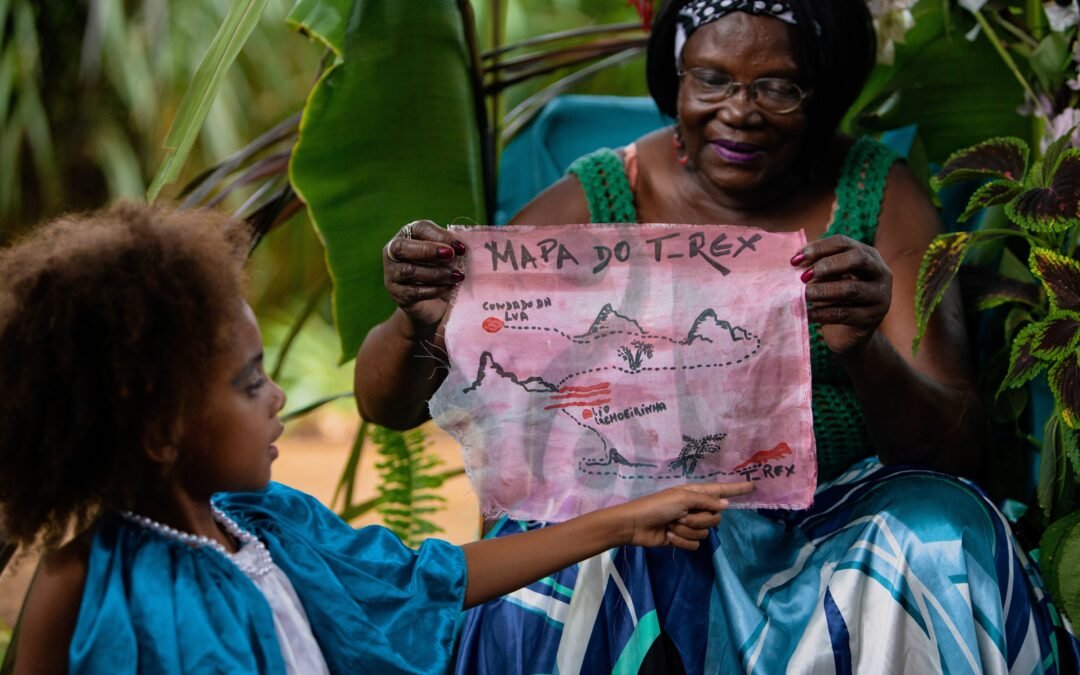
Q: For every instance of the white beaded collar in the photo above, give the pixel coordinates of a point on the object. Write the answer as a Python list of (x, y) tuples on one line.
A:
[(256, 565)]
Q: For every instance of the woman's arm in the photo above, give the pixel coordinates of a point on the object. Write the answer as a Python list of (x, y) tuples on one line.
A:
[(401, 361), (678, 516), (51, 611), (920, 409)]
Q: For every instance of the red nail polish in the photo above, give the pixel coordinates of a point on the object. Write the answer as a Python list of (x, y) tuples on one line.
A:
[(807, 275), (445, 252), (459, 248), (798, 258), (457, 275)]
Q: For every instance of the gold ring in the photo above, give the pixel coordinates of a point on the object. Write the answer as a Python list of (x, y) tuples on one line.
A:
[(389, 253)]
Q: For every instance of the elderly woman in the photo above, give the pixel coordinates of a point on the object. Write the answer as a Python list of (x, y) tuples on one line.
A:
[(897, 566)]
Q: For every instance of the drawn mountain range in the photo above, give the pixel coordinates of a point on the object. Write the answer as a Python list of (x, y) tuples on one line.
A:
[(488, 363), (708, 327), (610, 322)]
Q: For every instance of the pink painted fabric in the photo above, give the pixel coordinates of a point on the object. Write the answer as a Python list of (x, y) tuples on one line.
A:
[(591, 364)]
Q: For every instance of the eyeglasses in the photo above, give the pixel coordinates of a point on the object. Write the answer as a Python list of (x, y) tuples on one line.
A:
[(771, 94)]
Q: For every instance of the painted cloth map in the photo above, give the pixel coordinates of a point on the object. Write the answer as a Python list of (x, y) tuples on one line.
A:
[(592, 364)]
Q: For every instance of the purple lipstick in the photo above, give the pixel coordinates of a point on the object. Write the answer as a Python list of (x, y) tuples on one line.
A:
[(737, 153)]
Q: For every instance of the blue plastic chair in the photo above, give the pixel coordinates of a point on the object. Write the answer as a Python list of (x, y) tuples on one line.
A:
[(567, 128)]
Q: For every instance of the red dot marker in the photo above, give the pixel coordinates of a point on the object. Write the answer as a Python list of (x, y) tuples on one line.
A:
[(492, 325)]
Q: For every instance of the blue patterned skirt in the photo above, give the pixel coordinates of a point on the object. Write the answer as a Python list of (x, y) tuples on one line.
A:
[(893, 569)]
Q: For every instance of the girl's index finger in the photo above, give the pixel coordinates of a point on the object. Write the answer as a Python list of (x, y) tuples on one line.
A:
[(721, 490), (729, 489)]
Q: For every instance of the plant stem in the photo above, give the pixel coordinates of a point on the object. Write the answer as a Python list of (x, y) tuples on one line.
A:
[(527, 109), (1003, 53), (566, 63), (1035, 16), (1005, 233), (294, 330), (495, 15), (562, 35), (1015, 31), (347, 481), (488, 137), (312, 407)]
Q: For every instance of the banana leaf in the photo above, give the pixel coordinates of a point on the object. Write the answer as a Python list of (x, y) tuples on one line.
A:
[(324, 20), (389, 135)]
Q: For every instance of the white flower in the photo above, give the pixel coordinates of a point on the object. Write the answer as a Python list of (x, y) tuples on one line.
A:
[(1059, 125), (1042, 106), (1074, 83), (892, 21), (1061, 18), (972, 5)]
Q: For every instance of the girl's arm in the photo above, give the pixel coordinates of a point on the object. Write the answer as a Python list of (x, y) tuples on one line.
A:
[(678, 516), (51, 611)]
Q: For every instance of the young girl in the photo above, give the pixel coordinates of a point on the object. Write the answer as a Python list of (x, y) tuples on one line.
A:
[(136, 413)]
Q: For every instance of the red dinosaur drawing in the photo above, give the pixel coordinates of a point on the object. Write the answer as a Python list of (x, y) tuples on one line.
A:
[(760, 457)]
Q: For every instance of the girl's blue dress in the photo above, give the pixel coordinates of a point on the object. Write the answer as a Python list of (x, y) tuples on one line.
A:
[(154, 605)]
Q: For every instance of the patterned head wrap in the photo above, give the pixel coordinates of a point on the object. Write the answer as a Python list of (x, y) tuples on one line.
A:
[(700, 12)]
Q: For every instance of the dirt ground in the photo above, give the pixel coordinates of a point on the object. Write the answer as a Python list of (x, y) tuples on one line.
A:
[(313, 453)]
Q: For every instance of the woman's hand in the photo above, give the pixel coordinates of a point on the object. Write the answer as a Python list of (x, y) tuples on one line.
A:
[(680, 516), (848, 288), (419, 271)]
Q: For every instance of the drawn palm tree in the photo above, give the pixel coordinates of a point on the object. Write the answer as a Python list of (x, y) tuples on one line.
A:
[(694, 450), (633, 358)]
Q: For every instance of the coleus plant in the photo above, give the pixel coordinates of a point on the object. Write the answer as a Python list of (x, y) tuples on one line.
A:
[(1041, 203)]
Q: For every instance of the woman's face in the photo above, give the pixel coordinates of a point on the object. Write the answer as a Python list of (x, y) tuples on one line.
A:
[(733, 142)]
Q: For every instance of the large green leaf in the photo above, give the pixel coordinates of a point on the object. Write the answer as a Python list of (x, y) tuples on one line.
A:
[(1050, 474), (1060, 547), (389, 135), (958, 92), (324, 20)]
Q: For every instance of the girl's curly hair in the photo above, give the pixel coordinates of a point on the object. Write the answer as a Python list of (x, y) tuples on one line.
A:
[(108, 323)]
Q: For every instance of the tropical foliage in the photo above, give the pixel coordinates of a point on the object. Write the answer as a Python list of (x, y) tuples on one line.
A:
[(1040, 202), (88, 89), (412, 102), (1022, 271)]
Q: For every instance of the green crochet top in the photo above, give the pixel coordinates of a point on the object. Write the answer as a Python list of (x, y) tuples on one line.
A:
[(839, 426)]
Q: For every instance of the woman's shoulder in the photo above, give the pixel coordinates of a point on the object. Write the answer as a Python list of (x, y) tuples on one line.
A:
[(561, 203)]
